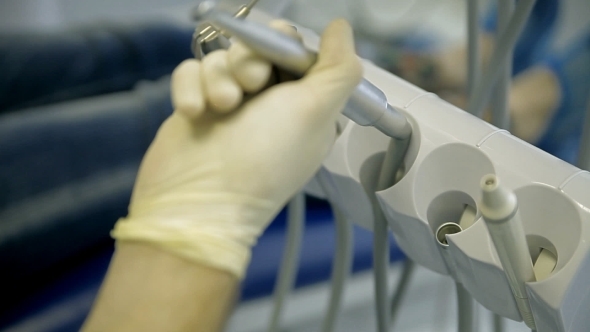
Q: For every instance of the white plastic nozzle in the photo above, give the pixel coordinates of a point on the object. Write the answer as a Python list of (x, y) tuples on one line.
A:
[(498, 203)]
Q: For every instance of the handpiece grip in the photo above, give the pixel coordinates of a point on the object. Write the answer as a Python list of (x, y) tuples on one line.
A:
[(367, 105)]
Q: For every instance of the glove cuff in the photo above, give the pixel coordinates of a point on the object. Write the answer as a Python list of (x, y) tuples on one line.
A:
[(205, 246)]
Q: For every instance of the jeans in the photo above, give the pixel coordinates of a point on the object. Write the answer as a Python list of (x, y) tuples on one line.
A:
[(69, 145), (39, 69), (66, 173)]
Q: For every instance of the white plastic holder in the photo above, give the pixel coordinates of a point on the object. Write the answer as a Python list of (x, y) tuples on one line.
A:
[(449, 153)]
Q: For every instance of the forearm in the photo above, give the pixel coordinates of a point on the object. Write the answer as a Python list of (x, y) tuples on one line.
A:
[(147, 289)]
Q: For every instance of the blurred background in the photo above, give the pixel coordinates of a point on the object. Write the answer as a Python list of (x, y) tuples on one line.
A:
[(84, 87)]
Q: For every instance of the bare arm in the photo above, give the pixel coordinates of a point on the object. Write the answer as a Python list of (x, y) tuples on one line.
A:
[(147, 289)]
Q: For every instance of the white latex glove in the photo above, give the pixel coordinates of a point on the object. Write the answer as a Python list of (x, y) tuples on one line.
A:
[(224, 164)]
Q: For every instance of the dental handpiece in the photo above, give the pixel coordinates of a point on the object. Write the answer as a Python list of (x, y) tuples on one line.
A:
[(367, 105)]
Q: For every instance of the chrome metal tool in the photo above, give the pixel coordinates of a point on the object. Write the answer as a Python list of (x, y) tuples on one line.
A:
[(367, 106)]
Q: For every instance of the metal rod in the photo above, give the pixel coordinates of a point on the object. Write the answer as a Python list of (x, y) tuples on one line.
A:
[(251, 4), (288, 269)]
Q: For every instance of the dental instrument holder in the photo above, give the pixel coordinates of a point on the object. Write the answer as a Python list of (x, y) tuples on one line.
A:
[(449, 152), (367, 105)]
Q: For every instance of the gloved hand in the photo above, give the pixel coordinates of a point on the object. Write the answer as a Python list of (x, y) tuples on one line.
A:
[(235, 150)]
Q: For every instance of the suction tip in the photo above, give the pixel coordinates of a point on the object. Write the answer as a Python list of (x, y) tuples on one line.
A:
[(203, 10), (497, 202), (489, 182)]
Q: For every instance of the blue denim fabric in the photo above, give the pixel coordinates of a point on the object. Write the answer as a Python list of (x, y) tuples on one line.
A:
[(39, 68), (66, 173)]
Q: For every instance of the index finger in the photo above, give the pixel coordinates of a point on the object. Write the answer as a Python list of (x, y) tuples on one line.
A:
[(186, 89)]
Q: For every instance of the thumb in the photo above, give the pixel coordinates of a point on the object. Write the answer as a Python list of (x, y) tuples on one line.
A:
[(337, 71)]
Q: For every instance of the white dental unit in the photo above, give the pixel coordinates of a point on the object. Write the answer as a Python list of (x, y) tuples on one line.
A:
[(440, 183)]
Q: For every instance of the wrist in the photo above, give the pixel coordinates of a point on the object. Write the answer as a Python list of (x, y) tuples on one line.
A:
[(216, 232), (193, 244), (147, 289)]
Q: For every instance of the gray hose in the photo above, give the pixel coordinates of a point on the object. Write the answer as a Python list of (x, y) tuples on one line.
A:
[(380, 266), (467, 320), (483, 89), (340, 268), (465, 305), (498, 323), (288, 269), (401, 289), (584, 154), (343, 256), (500, 111), (392, 161), (473, 56)]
